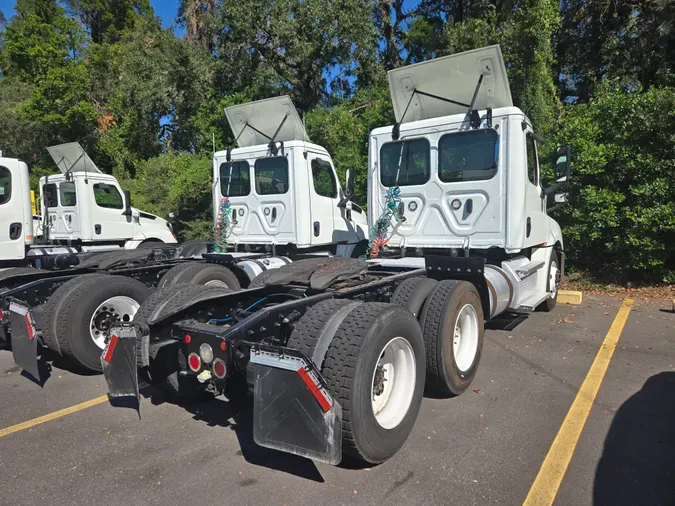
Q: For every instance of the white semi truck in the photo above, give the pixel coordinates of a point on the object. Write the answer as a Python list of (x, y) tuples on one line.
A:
[(82, 210), (338, 352), (276, 199)]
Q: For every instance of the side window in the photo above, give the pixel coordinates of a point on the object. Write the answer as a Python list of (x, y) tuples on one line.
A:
[(531, 160), (235, 179), (271, 175), (324, 179), (67, 194), (108, 196), (50, 196), (414, 159), (5, 185), (468, 156)]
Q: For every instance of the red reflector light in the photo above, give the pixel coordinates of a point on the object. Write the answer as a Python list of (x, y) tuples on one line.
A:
[(223, 346), (219, 369), (194, 362), (111, 348), (188, 338), (29, 326), (318, 394), (2, 314)]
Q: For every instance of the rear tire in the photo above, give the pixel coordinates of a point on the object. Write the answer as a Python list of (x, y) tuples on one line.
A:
[(453, 344), (412, 293), (91, 306), (326, 316), (350, 367), (199, 273), (52, 307)]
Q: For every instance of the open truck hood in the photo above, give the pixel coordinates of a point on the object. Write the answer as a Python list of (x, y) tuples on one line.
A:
[(265, 116), (71, 157), (452, 77)]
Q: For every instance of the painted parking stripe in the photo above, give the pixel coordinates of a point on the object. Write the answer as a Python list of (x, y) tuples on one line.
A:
[(552, 472), (52, 416)]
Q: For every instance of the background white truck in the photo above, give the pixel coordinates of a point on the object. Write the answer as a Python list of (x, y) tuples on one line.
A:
[(336, 364), (82, 209), (285, 202)]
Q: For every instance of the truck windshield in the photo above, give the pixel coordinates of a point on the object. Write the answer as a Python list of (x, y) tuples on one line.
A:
[(468, 156), (235, 179), (5, 185), (271, 175), (414, 160)]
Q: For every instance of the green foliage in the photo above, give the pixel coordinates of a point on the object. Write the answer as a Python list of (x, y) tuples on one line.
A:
[(148, 105), (622, 215), (178, 183)]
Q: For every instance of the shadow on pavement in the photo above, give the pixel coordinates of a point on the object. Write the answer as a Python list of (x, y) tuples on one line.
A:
[(638, 460), (237, 415)]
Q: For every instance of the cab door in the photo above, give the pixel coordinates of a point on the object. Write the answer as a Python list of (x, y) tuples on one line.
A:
[(66, 219), (12, 244), (536, 222), (107, 205), (325, 222)]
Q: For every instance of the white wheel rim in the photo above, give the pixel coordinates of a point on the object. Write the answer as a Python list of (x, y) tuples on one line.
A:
[(114, 309), (465, 338), (216, 282), (553, 275), (393, 383)]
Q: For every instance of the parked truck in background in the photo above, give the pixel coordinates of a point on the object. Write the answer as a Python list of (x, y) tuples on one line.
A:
[(276, 198), (337, 352), (82, 210)]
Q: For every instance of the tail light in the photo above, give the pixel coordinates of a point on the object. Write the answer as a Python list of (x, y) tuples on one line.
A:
[(219, 369), (194, 362)]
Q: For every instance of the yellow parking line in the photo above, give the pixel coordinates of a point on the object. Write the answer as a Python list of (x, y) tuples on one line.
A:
[(52, 416), (550, 476)]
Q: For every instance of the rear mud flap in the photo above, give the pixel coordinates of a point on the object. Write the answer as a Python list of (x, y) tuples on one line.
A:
[(24, 339), (119, 364), (292, 410)]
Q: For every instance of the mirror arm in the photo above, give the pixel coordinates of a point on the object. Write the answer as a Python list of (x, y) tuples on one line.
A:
[(343, 202), (554, 188), (555, 207)]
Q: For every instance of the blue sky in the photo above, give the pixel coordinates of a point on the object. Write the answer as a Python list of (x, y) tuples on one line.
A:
[(166, 9)]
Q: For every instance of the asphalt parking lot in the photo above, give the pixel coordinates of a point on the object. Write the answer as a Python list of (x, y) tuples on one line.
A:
[(487, 446)]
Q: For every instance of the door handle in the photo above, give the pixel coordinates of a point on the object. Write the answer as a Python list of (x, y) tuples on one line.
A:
[(14, 231), (97, 229), (469, 206), (529, 226), (274, 213), (317, 228)]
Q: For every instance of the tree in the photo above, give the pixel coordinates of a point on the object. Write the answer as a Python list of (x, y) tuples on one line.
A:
[(199, 19), (39, 36), (621, 219), (107, 20), (290, 46)]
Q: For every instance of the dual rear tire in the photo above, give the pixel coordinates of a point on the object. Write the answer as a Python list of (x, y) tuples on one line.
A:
[(450, 315)]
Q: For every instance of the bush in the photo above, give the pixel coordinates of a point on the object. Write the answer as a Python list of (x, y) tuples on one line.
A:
[(179, 183), (621, 218)]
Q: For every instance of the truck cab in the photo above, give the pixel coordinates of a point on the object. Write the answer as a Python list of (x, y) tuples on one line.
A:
[(465, 165), (16, 217), (282, 189), (85, 206)]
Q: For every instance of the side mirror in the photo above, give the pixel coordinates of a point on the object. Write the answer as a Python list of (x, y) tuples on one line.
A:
[(171, 215), (127, 203), (349, 184), (563, 168)]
